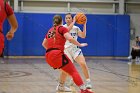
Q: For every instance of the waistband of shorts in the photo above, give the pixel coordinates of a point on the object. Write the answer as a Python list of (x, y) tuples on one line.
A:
[(1, 31), (50, 49)]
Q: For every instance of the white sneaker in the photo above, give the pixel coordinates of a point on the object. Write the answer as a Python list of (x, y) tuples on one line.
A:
[(88, 85), (130, 57), (63, 89), (137, 59)]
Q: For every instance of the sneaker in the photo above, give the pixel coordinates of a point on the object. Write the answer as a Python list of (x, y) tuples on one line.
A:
[(138, 63), (130, 57), (88, 85), (63, 89), (86, 91), (137, 59)]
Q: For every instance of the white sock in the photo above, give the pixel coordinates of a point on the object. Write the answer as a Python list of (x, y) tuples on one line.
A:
[(87, 80)]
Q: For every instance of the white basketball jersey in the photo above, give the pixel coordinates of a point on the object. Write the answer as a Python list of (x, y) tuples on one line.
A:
[(74, 33)]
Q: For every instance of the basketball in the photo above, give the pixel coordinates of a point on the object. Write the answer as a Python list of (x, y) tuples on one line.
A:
[(80, 18)]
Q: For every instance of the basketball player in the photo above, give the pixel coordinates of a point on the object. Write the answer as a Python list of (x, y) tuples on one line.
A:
[(74, 52), (55, 57), (6, 12)]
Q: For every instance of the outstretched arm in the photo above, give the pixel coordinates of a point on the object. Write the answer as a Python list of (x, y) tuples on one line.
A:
[(72, 40)]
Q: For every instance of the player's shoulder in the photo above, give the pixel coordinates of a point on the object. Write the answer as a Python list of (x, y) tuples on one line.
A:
[(62, 27), (75, 26)]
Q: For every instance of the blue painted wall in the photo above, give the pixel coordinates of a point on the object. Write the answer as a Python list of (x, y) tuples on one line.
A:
[(107, 35)]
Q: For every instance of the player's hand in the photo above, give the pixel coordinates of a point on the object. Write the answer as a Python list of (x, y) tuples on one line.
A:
[(10, 35), (85, 22), (83, 44)]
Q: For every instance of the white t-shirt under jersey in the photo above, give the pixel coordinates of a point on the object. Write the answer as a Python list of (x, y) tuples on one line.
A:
[(74, 33)]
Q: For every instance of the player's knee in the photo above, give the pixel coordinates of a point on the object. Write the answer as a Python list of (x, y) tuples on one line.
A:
[(83, 64), (74, 73)]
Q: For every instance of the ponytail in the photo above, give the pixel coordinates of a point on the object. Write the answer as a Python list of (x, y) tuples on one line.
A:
[(55, 25), (57, 20)]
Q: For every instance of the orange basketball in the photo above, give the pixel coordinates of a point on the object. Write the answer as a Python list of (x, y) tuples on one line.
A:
[(80, 18)]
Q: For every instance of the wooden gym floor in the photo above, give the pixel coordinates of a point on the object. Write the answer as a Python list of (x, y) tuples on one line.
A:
[(35, 76)]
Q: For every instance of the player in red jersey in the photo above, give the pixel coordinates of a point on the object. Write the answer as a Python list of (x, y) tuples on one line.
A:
[(54, 44), (6, 12)]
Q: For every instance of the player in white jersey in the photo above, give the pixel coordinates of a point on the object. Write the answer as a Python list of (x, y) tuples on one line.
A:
[(74, 52)]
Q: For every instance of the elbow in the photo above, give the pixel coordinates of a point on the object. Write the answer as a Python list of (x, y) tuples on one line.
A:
[(43, 44), (15, 26)]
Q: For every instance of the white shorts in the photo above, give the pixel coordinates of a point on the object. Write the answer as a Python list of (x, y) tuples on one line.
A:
[(72, 52)]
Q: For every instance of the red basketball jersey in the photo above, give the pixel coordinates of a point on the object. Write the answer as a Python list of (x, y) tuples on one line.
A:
[(5, 10), (58, 40)]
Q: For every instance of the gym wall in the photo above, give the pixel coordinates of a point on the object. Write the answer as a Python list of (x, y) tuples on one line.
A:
[(107, 35)]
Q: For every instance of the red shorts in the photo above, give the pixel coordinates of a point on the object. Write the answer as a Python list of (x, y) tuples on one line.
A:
[(1, 42), (56, 59)]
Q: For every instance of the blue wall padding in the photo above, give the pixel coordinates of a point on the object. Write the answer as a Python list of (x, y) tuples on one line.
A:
[(15, 46), (122, 36), (107, 35)]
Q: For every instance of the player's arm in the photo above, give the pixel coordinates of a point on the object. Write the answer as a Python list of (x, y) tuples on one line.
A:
[(64, 31), (44, 43), (12, 21), (82, 34), (72, 40), (14, 25)]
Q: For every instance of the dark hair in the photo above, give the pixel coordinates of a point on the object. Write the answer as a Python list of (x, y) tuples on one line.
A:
[(70, 15), (137, 37), (57, 20)]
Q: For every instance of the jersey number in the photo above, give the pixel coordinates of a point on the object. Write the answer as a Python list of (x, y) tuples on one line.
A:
[(51, 34)]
